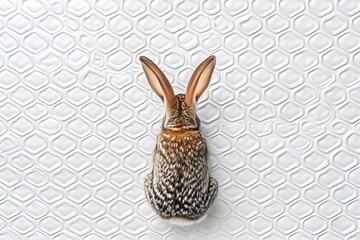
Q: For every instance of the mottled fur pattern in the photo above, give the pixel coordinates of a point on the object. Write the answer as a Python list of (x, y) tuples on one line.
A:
[(179, 185)]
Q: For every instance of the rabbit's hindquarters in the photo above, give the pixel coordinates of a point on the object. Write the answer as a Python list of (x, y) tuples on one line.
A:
[(158, 203), (179, 188)]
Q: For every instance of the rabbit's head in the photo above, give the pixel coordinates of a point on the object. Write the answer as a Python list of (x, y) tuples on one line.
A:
[(181, 108)]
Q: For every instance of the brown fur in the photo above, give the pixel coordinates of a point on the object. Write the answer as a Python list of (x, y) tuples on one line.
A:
[(179, 187)]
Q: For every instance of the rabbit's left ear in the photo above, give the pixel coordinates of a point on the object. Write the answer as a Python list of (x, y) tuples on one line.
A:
[(199, 80), (158, 81)]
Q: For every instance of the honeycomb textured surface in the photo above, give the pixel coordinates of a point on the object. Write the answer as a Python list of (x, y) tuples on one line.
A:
[(78, 121)]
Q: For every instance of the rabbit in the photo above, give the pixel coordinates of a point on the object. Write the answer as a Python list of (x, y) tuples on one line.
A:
[(179, 187)]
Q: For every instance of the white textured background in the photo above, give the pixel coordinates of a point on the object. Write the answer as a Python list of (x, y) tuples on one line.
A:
[(78, 120)]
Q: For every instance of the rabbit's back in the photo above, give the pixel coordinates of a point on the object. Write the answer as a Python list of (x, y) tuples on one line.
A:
[(181, 155), (179, 184)]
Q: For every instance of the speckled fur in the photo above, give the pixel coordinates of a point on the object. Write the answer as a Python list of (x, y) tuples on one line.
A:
[(179, 185)]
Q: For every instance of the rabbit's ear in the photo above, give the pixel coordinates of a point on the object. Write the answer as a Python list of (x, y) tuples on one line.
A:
[(158, 81), (199, 80)]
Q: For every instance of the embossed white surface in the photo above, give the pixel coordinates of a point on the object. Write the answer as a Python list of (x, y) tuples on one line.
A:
[(78, 121)]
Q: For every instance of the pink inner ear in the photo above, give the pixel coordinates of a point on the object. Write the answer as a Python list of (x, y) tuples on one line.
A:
[(202, 85), (153, 81), (158, 81), (199, 80)]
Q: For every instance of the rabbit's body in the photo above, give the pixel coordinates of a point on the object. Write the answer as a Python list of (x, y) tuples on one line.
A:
[(179, 187)]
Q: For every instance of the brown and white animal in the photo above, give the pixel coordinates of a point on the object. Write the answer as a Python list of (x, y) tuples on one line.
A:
[(179, 187)]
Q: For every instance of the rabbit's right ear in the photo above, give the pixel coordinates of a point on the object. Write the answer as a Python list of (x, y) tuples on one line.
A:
[(199, 80), (158, 81)]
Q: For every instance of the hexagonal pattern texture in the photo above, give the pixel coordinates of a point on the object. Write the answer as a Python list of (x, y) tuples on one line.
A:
[(78, 120)]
